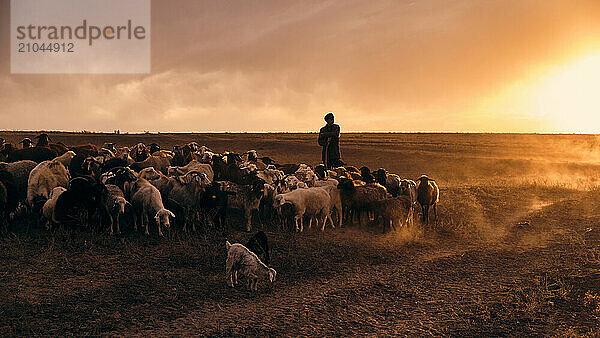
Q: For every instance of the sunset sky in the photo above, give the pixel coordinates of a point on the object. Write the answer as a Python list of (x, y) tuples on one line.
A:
[(273, 65)]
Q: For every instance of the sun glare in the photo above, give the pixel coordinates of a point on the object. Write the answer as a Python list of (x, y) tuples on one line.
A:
[(569, 98)]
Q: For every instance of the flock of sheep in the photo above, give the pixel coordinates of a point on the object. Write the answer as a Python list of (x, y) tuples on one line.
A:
[(191, 185)]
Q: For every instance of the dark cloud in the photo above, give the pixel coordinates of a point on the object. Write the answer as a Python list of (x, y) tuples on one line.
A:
[(279, 65)]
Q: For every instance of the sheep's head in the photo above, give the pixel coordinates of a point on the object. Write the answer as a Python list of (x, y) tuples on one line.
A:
[(120, 204), (424, 179), (162, 217)]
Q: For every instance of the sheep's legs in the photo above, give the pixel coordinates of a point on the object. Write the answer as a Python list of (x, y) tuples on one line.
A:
[(110, 218), (229, 274), (310, 222), (118, 224), (248, 215), (145, 221), (435, 214)]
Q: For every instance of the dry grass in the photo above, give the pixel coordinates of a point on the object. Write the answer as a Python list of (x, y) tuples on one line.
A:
[(477, 273)]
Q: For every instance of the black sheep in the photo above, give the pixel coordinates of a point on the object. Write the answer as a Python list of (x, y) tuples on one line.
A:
[(215, 200), (36, 154), (84, 195), (260, 246)]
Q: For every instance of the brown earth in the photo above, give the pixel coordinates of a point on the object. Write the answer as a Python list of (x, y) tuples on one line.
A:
[(516, 252)]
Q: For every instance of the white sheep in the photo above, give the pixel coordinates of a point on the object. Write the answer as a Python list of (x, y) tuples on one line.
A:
[(43, 178), (336, 201), (147, 201), (48, 208), (313, 202), (243, 261)]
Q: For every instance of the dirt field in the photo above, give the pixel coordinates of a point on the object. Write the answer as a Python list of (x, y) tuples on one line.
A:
[(516, 252)]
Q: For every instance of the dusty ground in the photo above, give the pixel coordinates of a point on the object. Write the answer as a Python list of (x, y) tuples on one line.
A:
[(477, 273)]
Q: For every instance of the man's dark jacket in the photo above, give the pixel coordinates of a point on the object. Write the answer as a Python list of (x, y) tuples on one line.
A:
[(331, 149)]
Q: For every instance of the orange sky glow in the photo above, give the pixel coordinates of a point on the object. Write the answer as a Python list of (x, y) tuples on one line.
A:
[(273, 65)]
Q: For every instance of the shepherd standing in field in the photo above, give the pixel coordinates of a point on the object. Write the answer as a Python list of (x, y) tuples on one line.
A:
[(329, 139)]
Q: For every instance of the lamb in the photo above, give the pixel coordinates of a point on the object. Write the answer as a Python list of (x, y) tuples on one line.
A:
[(48, 208), (390, 181), (360, 198), (394, 211), (192, 166), (241, 260), (428, 194), (115, 202), (247, 198), (42, 179), (66, 158), (313, 202), (146, 201)]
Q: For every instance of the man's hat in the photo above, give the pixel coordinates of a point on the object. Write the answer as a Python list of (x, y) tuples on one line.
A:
[(26, 140), (328, 116)]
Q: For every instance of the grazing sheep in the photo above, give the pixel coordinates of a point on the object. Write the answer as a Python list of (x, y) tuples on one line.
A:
[(115, 202), (394, 211), (247, 198), (260, 246), (147, 203), (359, 199), (243, 261), (48, 208), (428, 194), (192, 166), (42, 179), (312, 202), (390, 181)]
